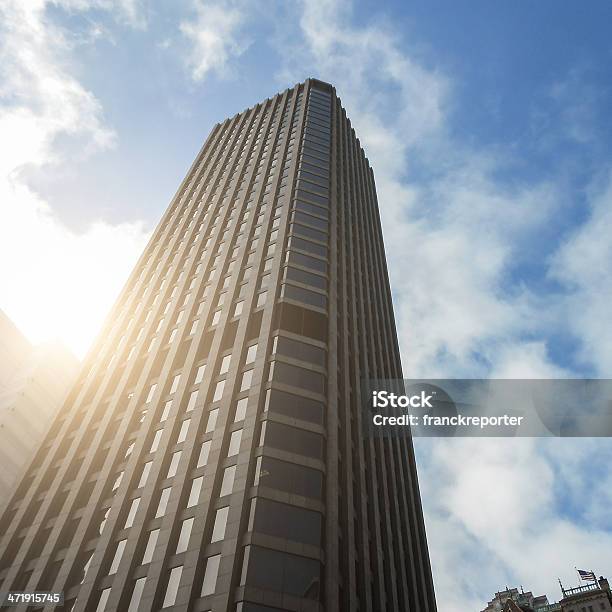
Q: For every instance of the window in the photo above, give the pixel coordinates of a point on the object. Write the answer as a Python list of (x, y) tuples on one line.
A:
[(251, 353), (218, 391), (117, 558), (234, 443), (104, 595), (308, 232), (299, 350), (117, 481), (146, 468), (156, 438), (200, 374), (300, 194), (293, 440), (194, 494), (218, 532), (212, 420), (174, 463), (204, 452), (166, 411), (129, 521), (238, 308), (211, 572), (261, 299), (306, 278), (247, 378), (183, 431), (309, 247), (283, 572), (241, 406), (308, 262), (289, 477), (227, 484), (103, 522), (225, 364), (297, 377), (175, 383), (151, 393), (184, 535), (285, 521), (150, 548), (193, 397), (137, 595), (163, 502), (216, 317), (173, 584)]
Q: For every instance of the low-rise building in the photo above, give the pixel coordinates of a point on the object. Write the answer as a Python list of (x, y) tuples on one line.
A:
[(592, 597)]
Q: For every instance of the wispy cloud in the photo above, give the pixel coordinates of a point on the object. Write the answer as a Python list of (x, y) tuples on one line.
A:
[(583, 263), (55, 282), (215, 37)]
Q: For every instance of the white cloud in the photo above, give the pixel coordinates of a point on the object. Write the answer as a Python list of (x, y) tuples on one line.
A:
[(55, 283), (583, 263), (215, 37), (128, 12), (504, 516)]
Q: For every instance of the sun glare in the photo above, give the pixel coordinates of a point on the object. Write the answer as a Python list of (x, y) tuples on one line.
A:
[(61, 285)]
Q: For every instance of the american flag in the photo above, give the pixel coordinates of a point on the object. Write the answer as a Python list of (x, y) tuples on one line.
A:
[(586, 575)]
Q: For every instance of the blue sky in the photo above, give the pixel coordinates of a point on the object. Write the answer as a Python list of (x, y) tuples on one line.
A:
[(489, 131)]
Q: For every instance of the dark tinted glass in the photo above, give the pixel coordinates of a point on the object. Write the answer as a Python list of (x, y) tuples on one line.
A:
[(317, 102), (318, 149), (310, 186), (315, 209), (305, 245), (316, 109), (314, 152), (320, 123), (297, 377), (279, 571), (318, 170), (312, 129), (293, 440), (245, 606), (302, 321), (306, 261), (301, 217), (294, 406), (308, 232), (289, 522), (314, 139), (306, 195), (291, 478), (324, 163), (304, 295), (299, 350), (301, 276), (319, 114), (313, 178)]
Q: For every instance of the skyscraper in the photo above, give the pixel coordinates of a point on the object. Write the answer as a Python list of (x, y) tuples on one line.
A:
[(211, 454)]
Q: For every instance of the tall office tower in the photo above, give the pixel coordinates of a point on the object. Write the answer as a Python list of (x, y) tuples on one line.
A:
[(211, 454)]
